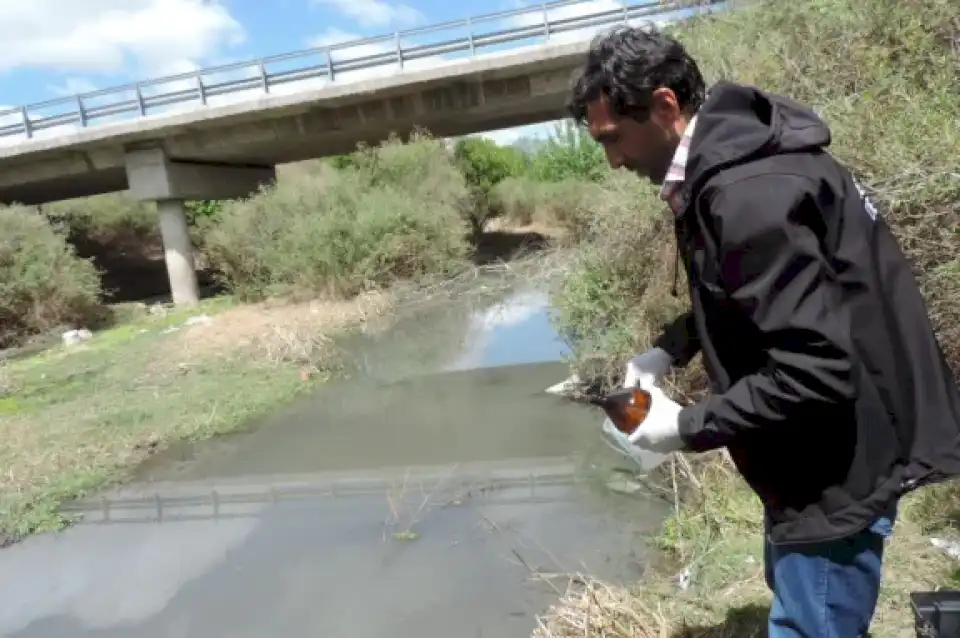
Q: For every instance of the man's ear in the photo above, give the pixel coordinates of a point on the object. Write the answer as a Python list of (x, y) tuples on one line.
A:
[(664, 107)]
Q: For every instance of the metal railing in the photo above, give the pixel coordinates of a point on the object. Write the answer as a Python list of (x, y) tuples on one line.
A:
[(136, 98)]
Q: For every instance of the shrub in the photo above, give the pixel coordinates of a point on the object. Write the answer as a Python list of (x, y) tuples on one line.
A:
[(484, 163), (570, 153), (43, 284), (568, 204), (399, 214), (104, 219), (618, 291)]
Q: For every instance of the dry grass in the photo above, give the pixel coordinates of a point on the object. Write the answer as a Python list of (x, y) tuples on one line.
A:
[(281, 330)]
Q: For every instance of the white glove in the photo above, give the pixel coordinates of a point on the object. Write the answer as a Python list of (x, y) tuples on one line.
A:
[(647, 368), (645, 459), (660, 431)]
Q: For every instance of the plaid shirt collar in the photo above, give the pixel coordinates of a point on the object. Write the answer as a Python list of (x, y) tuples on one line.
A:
[(672, 190)]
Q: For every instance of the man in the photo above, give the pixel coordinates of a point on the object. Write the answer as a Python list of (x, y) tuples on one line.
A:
[(828, 386)]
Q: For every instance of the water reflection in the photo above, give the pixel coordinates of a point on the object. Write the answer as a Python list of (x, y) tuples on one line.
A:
[(513, 331), (473, 565)]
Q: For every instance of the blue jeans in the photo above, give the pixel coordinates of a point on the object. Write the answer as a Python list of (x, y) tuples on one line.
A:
[(829, 589)]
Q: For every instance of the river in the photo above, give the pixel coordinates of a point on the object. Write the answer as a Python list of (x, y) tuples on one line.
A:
[(436, 491)]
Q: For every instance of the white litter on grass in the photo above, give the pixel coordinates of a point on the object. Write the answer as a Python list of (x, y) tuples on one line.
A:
[(73, 337), (199, 320), (950, 548)]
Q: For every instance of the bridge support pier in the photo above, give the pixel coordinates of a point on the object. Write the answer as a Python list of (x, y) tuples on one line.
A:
[(178, 252), (153, 176)]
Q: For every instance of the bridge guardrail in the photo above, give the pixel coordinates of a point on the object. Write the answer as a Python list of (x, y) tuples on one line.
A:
[(134, 99)]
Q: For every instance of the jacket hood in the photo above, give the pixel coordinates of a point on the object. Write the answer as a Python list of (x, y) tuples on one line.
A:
[(739, 124)]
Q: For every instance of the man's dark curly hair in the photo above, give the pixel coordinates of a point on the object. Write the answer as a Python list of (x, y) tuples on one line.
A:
[(627, 65)]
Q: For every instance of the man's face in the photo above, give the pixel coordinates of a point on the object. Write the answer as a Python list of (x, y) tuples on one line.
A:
[(643, 145)]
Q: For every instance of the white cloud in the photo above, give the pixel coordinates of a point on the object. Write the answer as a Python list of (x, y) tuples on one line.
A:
[(376, 13), (111, 36), (72, 86)]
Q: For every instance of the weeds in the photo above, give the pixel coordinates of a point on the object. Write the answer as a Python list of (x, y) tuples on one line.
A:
[(315, 353)]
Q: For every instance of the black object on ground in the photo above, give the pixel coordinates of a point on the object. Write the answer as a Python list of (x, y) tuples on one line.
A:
[(937, 613)]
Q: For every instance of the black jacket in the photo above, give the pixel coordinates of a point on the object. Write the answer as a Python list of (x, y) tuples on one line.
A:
[(829, 388)]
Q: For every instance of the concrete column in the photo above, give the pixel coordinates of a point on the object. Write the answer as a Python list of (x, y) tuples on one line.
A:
[(178, 252), (152, 176)]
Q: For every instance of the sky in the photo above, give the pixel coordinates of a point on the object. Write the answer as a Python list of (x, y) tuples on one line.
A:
[(57, 48)]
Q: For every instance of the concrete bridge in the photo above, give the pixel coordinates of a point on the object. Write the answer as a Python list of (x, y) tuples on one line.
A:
[(220, 132)]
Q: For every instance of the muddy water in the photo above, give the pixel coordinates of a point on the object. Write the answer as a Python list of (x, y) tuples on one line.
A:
[(447, 384), (438, 492)]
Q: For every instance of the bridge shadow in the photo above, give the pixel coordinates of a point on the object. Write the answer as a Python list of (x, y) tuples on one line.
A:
[(506, 245)]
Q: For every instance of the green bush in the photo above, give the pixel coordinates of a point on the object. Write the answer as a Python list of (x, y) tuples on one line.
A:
[(398, 215), (484, 163), (204, 213), (105, 219), (568, 204), (43, 284), (570, 153), (890, 100)]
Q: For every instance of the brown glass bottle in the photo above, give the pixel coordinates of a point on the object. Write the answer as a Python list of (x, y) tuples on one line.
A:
[(627, 408)]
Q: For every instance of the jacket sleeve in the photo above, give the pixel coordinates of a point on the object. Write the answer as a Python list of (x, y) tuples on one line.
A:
[(773, 268), (680, 339)]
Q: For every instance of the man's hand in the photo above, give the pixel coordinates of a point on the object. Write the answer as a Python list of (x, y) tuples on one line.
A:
[(647, 368), (660, 431)]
